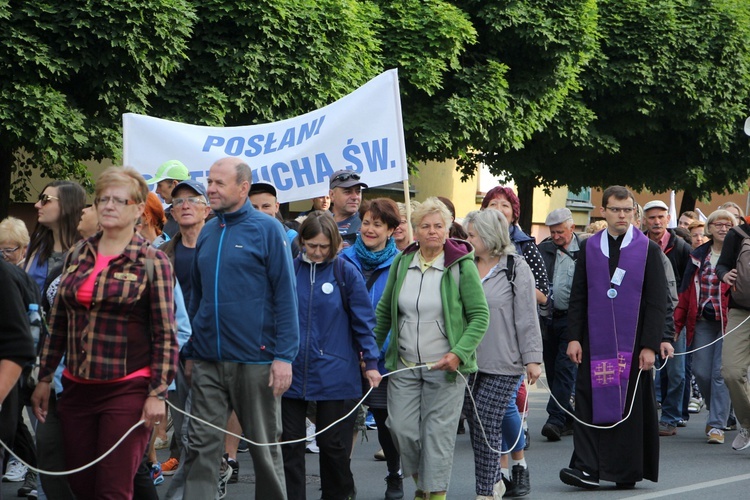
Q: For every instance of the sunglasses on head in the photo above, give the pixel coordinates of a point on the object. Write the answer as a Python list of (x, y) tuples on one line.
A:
[(45, 198), (345, 177)]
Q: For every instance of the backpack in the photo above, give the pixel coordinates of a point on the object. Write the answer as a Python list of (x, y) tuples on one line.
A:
[(741, 288)]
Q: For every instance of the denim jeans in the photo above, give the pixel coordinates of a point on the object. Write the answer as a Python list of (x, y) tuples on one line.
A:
[(671, 405), (707, 370), (560, 371)]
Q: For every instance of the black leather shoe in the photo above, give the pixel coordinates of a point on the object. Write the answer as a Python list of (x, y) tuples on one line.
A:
[(551, 432), (521, 481), (395, 487), (575, 477), (625, 486)]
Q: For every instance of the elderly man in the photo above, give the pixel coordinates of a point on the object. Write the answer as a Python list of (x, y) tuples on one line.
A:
[(263, 198), (245, 333), (167, 176), (559, 252), (656, 218), (346, 196)]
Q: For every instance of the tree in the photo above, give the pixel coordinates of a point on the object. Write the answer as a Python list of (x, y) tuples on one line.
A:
[(70, 69), (668, 92)]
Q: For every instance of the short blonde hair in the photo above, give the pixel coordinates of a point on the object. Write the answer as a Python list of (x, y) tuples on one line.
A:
[(12, 229), (491, 227), (717, 215), (431, 206), (123, 176)]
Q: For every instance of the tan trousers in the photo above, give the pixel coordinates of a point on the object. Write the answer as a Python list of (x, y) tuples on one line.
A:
[(735, 361)]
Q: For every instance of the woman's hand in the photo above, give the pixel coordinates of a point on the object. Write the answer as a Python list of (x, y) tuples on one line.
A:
[(533, 371), (40, 400), (449, 363), (154, 410), (374, 377)]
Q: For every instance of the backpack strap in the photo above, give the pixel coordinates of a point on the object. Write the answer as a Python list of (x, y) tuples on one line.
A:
[(374, 277), (742, 233), (510, 272)]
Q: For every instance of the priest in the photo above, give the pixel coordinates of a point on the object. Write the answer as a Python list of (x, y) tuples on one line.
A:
[(616, 317)]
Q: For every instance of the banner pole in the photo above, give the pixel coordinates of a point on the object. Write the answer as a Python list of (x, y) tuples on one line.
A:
[(407, 204)]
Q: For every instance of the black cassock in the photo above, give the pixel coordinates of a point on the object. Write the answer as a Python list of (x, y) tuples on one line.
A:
[(629, 452)]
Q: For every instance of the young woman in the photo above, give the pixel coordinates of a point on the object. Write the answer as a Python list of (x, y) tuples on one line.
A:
[(372, 254), (336, 320)]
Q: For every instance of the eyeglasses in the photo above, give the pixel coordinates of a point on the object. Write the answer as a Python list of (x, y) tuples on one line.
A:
[(8, 251), (621, 210), (193, 200), (45, 198), (721, 225), (346, 176), (118, 202)]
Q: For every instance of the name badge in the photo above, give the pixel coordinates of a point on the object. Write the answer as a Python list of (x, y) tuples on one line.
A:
[(618, 276), (125, 276), (327, 288)]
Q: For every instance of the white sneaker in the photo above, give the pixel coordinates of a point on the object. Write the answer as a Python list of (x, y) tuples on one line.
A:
[(715, 436), (695, 405), (15, 472), (498, 490), (741, 442), (311, 445)]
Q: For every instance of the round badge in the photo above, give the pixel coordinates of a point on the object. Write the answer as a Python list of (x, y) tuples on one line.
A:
[(611, 293), (327, 288)]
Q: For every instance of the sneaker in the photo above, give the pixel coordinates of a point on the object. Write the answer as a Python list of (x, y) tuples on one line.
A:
[(370, 422), (29, 484), (579, 478), (15, 472), (244, 446), (498, 490), (666, 429), (169, 467), (311, 444), (682, 423), (742, 440), (731, 422), (161, 444), (695, 405), (235, 469), (551, 432), (715, 436), (521, 482), (33, 495), (224, 477), (394, 487), (527, 439), (156, 476), (379, 455)]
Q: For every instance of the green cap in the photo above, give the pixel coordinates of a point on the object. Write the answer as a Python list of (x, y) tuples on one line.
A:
[(173, 169)]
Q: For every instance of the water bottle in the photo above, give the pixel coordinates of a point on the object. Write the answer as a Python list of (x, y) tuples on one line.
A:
[(35, 321)]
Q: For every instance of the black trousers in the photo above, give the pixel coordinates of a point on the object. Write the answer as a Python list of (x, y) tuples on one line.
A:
[(392, 458), (335, 473)]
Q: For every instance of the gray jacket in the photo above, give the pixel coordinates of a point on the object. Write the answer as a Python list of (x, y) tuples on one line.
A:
[(513, 338)]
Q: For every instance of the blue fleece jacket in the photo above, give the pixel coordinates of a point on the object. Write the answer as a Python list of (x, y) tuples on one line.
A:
[(243, 304)]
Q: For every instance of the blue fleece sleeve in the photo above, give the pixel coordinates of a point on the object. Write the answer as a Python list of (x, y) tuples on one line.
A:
[(284, 296), (184, 330)]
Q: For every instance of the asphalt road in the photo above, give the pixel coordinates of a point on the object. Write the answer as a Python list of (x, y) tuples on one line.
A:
[(689, 468)]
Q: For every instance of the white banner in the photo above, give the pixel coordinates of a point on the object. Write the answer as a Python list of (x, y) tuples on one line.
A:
[(362, 132)]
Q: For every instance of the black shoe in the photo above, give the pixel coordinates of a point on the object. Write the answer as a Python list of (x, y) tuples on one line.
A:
[(395, 487), (244, 446), (29, 484), (521, 485), (527, 438), (551, 432), (568, 429), (461, 429), (625, 486), (575, 477)]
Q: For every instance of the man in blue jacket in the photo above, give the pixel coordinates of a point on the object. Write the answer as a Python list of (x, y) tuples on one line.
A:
[(245, 333)]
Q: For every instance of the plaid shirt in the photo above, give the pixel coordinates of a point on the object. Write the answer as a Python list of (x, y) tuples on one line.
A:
[(95, 340), (710, 288)]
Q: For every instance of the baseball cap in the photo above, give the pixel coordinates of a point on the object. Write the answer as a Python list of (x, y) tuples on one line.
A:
[(173, 169), (558, 216), (345, 179), (196, 186), (655, 204), (262, 187)]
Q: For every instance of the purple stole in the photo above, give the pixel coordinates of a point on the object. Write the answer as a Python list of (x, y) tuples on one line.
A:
[(613, 321)]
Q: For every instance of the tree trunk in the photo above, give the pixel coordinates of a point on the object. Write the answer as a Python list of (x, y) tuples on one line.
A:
[(525, 188), (687, 204), (7, 158)]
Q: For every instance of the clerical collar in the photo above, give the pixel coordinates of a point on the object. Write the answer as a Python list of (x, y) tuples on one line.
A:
[(626, 239)]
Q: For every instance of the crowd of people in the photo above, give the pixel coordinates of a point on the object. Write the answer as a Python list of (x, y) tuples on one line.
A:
[(269, 327)]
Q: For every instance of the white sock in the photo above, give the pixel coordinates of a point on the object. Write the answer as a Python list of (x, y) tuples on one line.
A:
[(505, 473), (521, 462)]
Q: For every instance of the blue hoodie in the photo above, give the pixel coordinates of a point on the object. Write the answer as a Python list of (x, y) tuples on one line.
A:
[(243, 305)]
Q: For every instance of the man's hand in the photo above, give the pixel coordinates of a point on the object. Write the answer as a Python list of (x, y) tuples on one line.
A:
[(449, 363), (188, 372), (667, 350), (40, 400), (646, 359), (574, 352), (280, 378)]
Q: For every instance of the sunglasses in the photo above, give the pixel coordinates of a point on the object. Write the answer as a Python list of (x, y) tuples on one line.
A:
[(345, 177), (45, 198)]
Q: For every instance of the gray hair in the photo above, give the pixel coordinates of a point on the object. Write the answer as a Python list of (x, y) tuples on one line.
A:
[(491, 226), (716, 215), (428, 207)]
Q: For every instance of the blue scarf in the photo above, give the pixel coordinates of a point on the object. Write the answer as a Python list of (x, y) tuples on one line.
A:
[(371, 260)]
